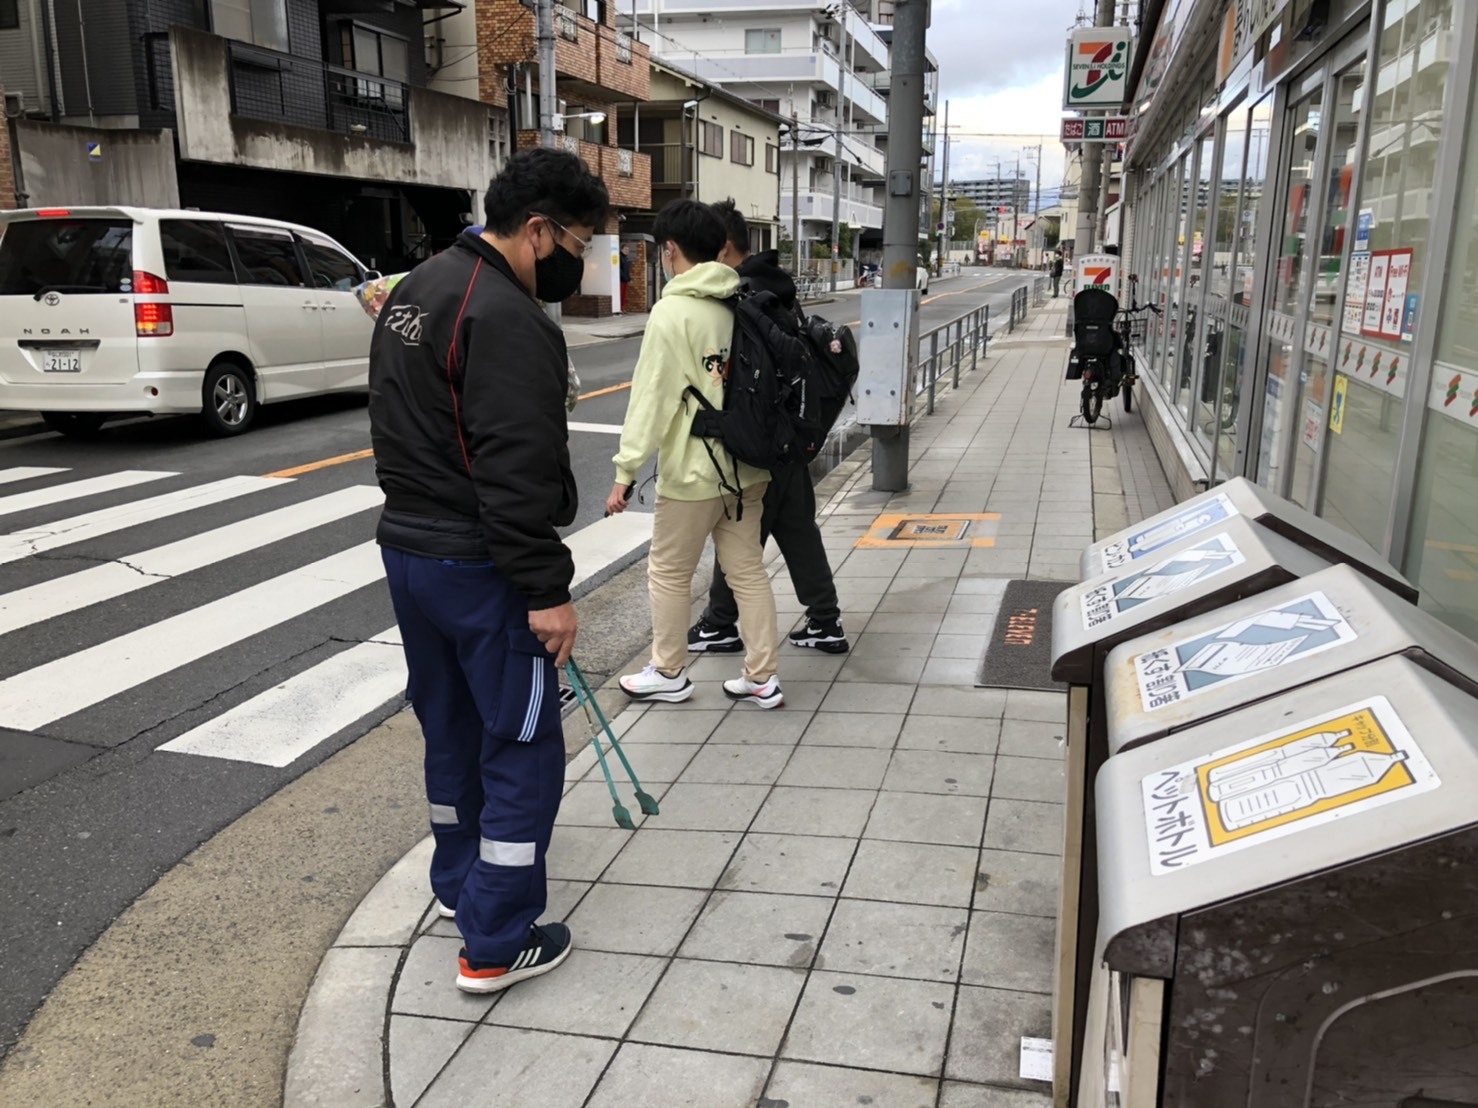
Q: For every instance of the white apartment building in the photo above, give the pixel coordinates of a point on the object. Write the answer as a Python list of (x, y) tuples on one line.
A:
[(819, 60)]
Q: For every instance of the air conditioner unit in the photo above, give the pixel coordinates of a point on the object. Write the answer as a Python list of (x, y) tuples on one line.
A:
[(823, 165), (826, 100)]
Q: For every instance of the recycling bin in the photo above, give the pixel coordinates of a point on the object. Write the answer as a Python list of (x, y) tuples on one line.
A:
[(1207, 568), (1292, 635), (1289, 903), (1240, 497)]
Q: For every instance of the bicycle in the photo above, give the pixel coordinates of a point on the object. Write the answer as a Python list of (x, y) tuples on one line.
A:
[(1101, 356)]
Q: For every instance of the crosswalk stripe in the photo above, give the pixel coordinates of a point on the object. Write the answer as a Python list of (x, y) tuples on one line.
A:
[(25, 473), (49, 692), (132, 572), (597, 428), (277, 727), (105, 521), (75, 490), (282, 724)]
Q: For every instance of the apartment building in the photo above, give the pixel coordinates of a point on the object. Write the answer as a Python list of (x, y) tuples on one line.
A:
[(823, 64), (318, 111), (995, 192)]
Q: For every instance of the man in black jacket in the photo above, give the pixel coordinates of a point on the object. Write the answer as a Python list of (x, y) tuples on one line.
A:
[(467, 418), (790, 500)]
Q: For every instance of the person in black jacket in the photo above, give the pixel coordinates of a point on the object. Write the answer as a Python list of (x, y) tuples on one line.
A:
[(467, 418), (790, 499)]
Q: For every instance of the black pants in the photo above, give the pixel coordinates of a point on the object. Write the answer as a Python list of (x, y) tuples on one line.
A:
[(789, 515), (1056, 281)]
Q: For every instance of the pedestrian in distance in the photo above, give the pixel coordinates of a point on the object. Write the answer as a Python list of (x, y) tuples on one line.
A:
[(686, 346), (467, 384), (1056, 273), (625, 275), (790, 501)]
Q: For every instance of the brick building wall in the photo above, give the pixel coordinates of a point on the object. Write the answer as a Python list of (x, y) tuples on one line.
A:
[(7, 180)]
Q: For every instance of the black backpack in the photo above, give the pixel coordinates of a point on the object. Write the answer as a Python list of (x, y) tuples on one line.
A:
[(834, 349), (772, 415)]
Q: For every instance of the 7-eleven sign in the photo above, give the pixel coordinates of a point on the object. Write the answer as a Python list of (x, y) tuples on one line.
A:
[(1096, 271), (1097, 68)]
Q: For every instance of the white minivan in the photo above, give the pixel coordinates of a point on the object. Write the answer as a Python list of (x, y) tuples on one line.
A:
[(118, 310)]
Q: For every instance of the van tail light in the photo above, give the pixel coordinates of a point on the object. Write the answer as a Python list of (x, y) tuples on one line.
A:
[(149, 284), (153, 321)]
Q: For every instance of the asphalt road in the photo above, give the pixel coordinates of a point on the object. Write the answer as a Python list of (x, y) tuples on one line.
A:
[(91, 813)]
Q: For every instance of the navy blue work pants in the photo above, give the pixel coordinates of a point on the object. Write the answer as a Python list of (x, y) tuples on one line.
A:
[(487, 695)]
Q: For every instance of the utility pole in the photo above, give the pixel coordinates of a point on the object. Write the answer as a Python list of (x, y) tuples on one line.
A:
[(1085, 240), (795, 190), (1037, 232), (544, 32), (836, 162), (901, 215), (943, 228)]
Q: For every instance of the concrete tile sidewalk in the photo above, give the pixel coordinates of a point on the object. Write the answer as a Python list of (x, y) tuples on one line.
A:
[(847, 901)]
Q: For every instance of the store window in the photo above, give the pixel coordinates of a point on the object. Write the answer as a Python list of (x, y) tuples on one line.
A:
[(1442, 557), (1198, 342), (1392, 221), (1177, 256), (1279, 325), (1249, 133)]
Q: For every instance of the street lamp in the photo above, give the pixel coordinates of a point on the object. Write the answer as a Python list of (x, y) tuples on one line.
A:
[(594, 117)]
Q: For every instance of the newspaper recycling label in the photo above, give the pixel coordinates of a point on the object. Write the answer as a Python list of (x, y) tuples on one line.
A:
[(1184, 523), (1206, 559), (1295, 629), (1330, 767)]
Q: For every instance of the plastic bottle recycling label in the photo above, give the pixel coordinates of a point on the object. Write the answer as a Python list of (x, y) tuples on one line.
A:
[(1184, 523), (1327, 768), (1292, 630), (1207, 558)]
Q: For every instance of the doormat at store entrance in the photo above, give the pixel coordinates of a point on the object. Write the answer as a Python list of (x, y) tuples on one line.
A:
[(1019, 653)]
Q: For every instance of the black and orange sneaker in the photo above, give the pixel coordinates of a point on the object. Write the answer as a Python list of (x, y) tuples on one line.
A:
[(548, 945)]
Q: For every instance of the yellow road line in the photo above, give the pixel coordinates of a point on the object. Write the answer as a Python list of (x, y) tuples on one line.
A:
[(297, 471)]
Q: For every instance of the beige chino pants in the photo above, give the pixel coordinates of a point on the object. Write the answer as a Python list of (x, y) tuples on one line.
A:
[(679, 530)]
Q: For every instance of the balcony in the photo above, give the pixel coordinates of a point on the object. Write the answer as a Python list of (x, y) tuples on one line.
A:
[(817, 204), (627, 174), (232, 103), (592, 61), (672, 164)]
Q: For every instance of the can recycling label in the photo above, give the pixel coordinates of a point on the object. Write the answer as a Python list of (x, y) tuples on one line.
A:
[(1330, 767), (1294, 629), (1184, 523), (1206, 559)]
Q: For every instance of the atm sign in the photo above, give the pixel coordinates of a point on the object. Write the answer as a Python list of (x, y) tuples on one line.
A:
[(1103, 129)]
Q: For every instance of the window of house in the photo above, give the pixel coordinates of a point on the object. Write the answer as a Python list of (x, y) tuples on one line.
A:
[(710, 139), (770, 105), (196, 250), (741, 148), (10, 15), (762, 40), (268, 257), (263, 22), (367, 50), (772, 158)]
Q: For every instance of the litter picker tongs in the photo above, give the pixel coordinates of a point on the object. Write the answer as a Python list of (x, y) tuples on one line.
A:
[(599, 725)]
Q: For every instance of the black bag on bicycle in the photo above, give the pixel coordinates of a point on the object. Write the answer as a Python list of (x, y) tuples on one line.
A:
[(1093, 323)]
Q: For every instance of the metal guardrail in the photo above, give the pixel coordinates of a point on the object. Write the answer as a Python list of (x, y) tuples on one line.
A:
[(1020, 304), (1039, 291), (949, 345)]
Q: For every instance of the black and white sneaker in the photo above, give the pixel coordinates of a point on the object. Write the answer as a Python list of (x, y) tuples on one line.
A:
[(710, 638), (829, 638), (548, 945)]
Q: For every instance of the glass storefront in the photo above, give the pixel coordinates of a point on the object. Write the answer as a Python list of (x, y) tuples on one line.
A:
[(1289, 239)]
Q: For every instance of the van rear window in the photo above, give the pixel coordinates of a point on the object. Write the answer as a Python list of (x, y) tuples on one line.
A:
[(66, 255)]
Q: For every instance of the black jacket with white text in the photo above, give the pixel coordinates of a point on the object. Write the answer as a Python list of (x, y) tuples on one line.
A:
[(467, 384)]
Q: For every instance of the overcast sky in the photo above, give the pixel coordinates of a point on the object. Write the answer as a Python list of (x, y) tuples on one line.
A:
[(1000, 68)]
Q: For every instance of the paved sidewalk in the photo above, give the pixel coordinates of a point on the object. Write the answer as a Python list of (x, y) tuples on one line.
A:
[(848, 901)]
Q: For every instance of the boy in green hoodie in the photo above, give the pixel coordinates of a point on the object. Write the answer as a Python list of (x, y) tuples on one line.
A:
[(686, 343)]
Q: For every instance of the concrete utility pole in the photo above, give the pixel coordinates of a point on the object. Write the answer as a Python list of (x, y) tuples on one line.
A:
[(795, 190), (836, 162), (544, 32), (943, 229), (1085, 237), (901, 215)]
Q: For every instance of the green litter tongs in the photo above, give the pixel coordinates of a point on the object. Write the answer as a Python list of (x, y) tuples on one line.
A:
[(598, 724)]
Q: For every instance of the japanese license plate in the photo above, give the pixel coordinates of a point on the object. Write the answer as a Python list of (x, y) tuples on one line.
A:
[(61, 361)]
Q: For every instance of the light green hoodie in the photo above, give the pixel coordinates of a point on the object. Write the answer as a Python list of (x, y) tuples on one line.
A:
[(686, 343)]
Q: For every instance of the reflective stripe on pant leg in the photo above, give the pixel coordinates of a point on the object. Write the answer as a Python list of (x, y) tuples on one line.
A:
[(444, 815), (495, 853)]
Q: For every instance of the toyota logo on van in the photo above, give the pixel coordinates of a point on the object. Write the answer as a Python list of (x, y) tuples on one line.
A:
[(52, 299)]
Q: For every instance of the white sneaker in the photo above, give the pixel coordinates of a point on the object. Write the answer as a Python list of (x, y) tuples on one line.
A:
[(652, 684), (744, 690), (444, 912)]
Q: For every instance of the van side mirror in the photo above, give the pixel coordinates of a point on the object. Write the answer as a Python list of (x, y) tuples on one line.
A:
[(372, 275)]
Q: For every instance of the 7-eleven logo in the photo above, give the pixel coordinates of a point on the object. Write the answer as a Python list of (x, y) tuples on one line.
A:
[(1098, 277), (1103, 62)]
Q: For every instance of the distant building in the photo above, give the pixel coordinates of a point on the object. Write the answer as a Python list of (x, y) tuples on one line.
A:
[(995, 192)]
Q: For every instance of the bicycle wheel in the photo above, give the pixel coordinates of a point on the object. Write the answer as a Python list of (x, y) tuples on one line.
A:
[(1092, 401), (1128, 394)]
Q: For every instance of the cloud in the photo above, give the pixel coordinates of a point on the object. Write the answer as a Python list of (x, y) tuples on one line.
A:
[(990, 46), (1031, 111)]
